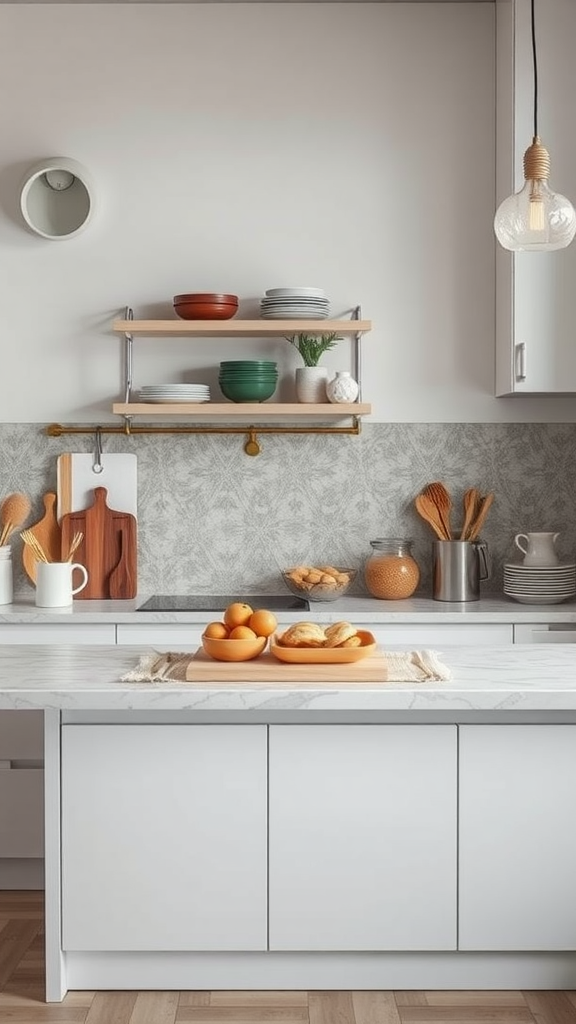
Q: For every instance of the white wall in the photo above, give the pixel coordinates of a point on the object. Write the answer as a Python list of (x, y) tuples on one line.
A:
[(236, 147)]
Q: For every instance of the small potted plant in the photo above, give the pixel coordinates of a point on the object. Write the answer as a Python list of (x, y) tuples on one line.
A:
[(311, 379)]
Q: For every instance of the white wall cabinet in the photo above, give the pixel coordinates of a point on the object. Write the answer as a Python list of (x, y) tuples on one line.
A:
[(164, 837), (535, 299), (362, 837), (517, 849)]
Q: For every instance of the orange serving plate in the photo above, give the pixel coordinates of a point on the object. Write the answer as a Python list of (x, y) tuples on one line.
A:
[(324, 655)]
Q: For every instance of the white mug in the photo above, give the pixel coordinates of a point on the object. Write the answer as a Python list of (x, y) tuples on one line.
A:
[(54, 583)]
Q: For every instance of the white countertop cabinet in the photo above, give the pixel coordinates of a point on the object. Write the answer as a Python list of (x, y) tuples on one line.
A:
[(363, 837), (517, 848), (164, 837)]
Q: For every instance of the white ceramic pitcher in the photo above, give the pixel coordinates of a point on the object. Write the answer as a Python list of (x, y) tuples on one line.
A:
[(537, 548)]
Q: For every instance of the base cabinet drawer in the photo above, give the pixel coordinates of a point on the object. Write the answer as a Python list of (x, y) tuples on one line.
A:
[(436, 635), (175, 636), (58, 633), (536, 633), (21, 812), (21, 735)]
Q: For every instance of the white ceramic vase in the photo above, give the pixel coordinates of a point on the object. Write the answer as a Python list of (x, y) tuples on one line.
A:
[(311, 384), (343, 388)]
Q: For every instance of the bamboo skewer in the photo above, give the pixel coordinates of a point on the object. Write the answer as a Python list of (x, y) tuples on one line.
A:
[(34, 544), (74, 545)]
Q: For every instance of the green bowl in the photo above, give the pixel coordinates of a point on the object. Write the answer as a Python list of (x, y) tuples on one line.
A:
[(232, 364), (248, 390)]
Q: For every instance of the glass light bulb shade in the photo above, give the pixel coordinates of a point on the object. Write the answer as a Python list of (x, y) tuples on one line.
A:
[(535, 219)]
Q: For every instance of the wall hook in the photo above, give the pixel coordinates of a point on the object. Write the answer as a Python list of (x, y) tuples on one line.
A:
[(97, 466)]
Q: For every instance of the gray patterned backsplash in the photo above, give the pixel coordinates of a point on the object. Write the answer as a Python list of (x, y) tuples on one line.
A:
[(214, 520)]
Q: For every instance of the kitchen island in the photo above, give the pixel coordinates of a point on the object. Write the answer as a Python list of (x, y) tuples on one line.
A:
[(310, 835)]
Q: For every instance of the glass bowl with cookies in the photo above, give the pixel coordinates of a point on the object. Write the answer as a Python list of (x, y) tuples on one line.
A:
[(318, 582)]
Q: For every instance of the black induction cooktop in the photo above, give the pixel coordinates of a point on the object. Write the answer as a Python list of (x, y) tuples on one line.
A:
[(209, 603)]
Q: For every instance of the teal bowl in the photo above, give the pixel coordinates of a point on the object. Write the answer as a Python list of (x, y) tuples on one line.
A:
[(248, 390), (247, 364)]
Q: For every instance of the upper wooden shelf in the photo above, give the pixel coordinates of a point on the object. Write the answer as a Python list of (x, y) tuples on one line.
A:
[(229, 328)]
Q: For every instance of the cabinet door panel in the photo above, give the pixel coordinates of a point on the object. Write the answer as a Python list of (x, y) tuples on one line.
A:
[(164, 837), (362, 837), (517, 851)]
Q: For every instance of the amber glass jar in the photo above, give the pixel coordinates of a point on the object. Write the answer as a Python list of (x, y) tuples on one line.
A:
[(391, 571)]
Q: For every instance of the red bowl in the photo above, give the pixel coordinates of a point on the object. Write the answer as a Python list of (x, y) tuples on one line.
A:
[(206, 297), (205, 310)]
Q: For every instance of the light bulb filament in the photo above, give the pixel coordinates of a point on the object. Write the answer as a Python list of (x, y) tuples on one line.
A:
[(536, 216)]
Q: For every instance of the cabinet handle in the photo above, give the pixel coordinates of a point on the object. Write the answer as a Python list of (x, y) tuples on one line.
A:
[(520, 353)]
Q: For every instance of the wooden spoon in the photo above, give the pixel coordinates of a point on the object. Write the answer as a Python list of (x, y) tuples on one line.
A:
[(13, 511), (471, 502), (438, 493), (429, 512), (481, 517)]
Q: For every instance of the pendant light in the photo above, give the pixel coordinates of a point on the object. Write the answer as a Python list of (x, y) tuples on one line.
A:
[(535, 219)]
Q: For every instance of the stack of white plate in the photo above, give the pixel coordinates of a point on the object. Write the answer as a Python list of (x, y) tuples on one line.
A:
[(549, 584), (175, 393), (294, 304)]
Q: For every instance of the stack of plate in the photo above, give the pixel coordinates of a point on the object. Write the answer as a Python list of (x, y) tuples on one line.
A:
[(175, 393), (294, 304), (549, 584)]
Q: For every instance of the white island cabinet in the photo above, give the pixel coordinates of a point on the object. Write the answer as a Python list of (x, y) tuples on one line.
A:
[(164, 837), (517, 886), (363, 837)]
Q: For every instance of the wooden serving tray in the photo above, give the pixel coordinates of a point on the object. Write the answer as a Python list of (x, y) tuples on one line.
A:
[(267, 669)]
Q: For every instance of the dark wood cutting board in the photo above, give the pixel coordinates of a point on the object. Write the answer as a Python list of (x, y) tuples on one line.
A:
[(108, 550)]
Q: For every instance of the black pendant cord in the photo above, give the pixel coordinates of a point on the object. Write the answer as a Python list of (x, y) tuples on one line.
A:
[(535, 67)]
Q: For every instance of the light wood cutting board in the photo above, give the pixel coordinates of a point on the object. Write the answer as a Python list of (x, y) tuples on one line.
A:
[(267, 669), (48, 535), (76, 481)]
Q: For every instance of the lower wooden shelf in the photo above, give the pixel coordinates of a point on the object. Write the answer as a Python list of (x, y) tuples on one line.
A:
[(252, 410)]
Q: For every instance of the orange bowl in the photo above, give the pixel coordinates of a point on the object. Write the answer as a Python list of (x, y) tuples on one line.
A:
[(234, 650), (205, 310), (218, 297)]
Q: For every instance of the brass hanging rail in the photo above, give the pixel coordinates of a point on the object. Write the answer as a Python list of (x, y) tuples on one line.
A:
[(251, 447)]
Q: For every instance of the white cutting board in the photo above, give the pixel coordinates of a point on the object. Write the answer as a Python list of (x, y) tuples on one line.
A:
[(76, 481)]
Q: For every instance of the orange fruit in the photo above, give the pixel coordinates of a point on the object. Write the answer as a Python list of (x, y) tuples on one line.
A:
[(237, 614), (263, 622), (242, 633), (216, 631)]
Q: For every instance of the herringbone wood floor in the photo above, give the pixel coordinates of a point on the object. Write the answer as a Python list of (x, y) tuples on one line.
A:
[(22, 995)]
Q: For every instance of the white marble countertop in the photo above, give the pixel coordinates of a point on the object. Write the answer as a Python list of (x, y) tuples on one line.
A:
[(538, 677), (492, 609)]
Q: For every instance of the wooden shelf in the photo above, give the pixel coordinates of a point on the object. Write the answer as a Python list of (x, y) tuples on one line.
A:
[(239, 328), (252, 410)]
